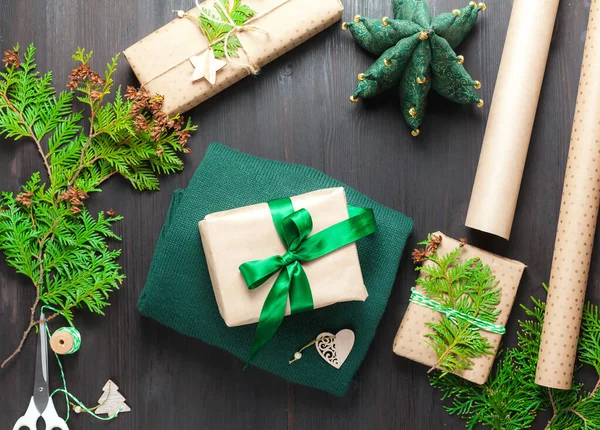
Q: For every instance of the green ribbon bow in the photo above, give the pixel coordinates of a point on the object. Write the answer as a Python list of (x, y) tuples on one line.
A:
[(452, 314), (294, 228)]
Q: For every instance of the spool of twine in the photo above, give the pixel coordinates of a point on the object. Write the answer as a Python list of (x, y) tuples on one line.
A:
[(65, 341)]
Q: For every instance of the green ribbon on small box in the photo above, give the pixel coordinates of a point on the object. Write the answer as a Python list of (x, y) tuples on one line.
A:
[(294, 228)]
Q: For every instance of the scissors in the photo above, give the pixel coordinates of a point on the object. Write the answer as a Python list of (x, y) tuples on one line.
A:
[(41, 403)]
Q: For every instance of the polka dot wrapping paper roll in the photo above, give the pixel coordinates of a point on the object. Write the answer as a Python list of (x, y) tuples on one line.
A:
[(410, 341), (576, 224)]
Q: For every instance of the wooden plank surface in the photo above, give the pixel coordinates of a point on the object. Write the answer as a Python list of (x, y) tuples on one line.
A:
[(296, 110)]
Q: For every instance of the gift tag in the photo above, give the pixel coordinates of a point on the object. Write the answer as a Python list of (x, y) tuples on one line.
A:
[(335, 349)]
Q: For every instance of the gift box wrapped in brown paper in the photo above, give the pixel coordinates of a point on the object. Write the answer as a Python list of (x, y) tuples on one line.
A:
[(161, 61), (410, 341), (236, 236)]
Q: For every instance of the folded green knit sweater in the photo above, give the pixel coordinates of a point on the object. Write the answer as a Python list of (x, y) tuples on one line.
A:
[(183, 299)]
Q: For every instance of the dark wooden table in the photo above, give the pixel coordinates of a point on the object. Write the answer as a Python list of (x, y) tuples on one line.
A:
[(297, 111)]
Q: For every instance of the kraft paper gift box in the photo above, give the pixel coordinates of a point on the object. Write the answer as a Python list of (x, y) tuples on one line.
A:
[(161, 60), (233, 237), (410, 341)]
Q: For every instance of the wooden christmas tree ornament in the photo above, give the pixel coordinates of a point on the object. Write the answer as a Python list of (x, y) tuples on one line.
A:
[(112, 402)]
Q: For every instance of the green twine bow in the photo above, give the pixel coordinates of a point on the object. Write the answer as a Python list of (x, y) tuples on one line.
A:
[(452, 314), (294, 228)]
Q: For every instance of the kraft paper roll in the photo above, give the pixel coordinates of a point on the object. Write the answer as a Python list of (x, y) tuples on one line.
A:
[(576, 225), (512, 112)]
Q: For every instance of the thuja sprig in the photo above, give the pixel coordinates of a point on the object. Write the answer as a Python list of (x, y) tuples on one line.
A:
[(46, 232), (511, 399), (467, 286), (214, 25)]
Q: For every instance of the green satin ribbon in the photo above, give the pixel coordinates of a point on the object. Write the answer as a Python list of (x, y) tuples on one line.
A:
[(453, 315), (294, 228)]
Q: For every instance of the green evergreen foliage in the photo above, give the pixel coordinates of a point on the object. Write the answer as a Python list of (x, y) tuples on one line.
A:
[(46, 233), (511, 399), (468, 286), (211, 23)]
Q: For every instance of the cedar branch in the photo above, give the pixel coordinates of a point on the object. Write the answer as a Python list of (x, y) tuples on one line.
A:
[(31, 133), (171, 132)]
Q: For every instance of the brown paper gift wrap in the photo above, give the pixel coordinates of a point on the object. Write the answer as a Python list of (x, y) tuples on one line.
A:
[(512, 112), (236, 236), (161, 60), (410, 339), (576, 225)]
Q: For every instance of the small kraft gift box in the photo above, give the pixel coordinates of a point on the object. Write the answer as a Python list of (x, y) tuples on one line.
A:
[(219, 42), (503, 275), (288, 255)]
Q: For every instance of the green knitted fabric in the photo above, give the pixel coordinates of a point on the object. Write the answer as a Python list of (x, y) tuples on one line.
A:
[(419, 54), (178, 292)]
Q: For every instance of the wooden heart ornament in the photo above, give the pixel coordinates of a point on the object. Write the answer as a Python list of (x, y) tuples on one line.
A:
[(335, 349)]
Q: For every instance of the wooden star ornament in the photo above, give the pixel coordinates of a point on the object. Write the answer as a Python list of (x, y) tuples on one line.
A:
[(206, 66)]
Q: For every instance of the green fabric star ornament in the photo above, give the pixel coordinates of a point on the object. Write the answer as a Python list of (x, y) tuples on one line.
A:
[(418, 53)]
